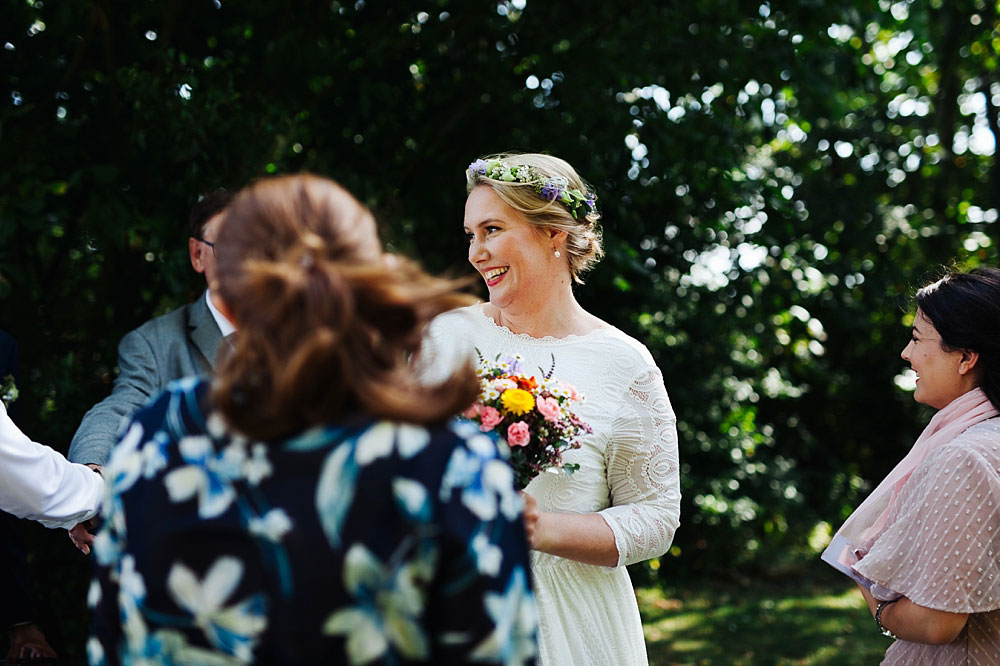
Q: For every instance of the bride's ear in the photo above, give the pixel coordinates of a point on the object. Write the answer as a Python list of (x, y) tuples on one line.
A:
[(557, 236)]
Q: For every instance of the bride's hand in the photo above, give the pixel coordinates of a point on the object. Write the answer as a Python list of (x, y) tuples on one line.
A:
[(532, 518)]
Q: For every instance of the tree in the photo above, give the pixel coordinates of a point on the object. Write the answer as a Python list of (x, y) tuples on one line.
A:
[(774, 180)]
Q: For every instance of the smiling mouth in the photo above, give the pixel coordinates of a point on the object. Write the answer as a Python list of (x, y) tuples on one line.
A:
[(493, 275)]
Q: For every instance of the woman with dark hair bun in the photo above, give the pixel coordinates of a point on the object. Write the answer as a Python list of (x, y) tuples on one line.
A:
[(924, 547), (313, 504)]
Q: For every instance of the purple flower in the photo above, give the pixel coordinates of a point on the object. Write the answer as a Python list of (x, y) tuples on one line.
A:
[(552, 190), (592, 201), (479, 166), (512, 362)]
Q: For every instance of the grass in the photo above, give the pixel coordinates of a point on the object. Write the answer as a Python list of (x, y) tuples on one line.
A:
[(696, 622)]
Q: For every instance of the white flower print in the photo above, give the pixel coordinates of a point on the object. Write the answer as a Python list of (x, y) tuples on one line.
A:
[(125, 465), (154, 456), (233, 629), (515, 616), (485, 480), (272, 526), (411, 440), (207, 476), (413, 498), (258, 467), (389, 605), (375, 443), (488, 556)]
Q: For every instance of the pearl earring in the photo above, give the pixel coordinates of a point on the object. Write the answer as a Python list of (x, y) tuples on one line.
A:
[(556, 252)]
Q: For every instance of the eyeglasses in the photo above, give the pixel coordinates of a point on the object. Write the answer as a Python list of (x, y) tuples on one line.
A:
[(208, 243)]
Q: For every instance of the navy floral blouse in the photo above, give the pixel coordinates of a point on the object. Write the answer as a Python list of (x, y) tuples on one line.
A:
[(363, 542)]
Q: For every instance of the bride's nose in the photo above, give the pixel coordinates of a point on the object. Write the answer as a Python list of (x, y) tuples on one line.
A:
[(477, 251)]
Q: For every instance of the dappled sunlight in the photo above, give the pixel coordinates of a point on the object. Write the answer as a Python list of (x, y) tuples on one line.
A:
[(708, 622)]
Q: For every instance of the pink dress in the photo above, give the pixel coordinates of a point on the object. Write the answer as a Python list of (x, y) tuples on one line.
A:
[(941, 549)]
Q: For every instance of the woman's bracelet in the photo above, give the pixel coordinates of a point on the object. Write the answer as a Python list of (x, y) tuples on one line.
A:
[(878, 617)]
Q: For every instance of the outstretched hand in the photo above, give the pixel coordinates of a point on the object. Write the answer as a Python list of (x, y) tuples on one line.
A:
[(81, 535)]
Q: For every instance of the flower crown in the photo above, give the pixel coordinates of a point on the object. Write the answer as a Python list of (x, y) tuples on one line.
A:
[(551, 188)]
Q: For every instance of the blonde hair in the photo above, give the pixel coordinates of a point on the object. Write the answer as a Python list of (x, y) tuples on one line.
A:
[(583, 236), (327, 322)]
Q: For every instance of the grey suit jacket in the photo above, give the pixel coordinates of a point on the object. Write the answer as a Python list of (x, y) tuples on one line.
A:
[(178, 344)]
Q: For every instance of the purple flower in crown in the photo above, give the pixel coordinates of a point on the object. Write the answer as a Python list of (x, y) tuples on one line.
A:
[(551, 190), (592, 202), (479, 166)]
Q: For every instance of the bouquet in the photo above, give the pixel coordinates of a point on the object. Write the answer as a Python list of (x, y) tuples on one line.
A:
[(533, 415)]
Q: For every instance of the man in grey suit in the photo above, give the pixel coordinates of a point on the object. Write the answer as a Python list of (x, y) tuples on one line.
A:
[(180, 343)]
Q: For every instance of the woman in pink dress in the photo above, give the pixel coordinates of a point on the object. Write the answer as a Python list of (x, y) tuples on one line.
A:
[(925, 545)]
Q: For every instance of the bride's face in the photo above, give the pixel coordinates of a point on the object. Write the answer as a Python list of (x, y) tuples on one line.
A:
[(515, 259)]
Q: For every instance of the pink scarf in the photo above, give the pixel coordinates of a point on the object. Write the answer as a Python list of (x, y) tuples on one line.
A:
[(868, 522)]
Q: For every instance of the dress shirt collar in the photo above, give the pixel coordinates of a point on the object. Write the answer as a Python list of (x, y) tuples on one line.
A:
[(225, 326)]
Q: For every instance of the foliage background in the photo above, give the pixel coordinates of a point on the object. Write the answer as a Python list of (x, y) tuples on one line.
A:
[(775, 179)]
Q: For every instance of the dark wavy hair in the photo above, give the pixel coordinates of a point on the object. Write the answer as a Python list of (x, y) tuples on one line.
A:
[(965, 310), (327, 321), (206, 208)]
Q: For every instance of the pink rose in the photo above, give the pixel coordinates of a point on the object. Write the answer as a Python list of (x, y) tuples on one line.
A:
[(489, 417), (472, 411), (518, 435), (569, 388), (549, 408)]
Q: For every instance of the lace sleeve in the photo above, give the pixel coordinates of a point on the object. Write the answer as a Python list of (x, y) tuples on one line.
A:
[(642, 469)]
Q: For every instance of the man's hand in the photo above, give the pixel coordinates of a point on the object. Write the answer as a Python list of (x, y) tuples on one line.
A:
[(81, 535), (28, 642)]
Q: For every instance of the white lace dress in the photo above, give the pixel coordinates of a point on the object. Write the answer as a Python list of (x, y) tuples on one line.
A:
[(628, 474)]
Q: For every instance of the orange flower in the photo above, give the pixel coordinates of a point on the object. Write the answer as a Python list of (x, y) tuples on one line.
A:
[(526, 383)]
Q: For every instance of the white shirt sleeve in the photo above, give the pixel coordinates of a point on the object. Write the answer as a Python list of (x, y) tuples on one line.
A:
[(39, 483)]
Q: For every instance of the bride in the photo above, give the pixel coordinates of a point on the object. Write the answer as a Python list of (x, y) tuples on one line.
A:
[(532, 229)]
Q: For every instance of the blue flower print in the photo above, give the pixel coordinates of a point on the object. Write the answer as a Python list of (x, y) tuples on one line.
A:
[(486, 481), (272, 526), (487, 555), (215, 492), (409, 575), (413, 498), (516, 618), (390, 602), (335, 490), (232, 629)]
